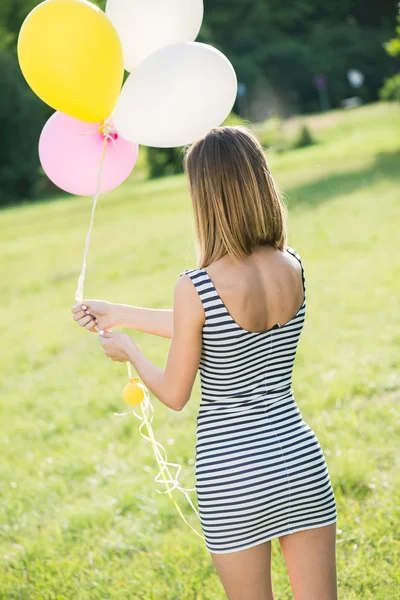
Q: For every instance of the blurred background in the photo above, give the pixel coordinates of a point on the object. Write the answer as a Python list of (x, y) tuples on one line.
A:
[(290, 58), (80, 518)]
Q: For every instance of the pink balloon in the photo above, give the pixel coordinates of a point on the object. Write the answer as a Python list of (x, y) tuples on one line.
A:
[(70, 151)]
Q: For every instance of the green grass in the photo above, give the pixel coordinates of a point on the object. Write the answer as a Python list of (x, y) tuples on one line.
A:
[(79, 514)]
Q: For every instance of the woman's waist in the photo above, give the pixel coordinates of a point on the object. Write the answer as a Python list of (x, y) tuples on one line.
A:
[(240, 402), (262, 417), (243, 387)]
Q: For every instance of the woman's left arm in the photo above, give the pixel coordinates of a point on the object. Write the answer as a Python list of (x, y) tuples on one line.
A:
[(172, 385)]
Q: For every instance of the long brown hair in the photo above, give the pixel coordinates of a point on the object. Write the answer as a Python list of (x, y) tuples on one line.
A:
[(236, 203)]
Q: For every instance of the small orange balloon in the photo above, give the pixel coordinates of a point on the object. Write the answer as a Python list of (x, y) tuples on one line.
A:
[(132, 393)]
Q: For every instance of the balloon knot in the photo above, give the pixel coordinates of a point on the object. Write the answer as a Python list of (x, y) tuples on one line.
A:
[(108, 130)]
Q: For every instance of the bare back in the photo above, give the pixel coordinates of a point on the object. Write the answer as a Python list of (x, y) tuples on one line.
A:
[(264, 289)]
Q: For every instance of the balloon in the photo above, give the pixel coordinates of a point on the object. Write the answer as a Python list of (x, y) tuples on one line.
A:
[(176, 95), (132, 393), (71, 56), (70, 153), (145, 26)]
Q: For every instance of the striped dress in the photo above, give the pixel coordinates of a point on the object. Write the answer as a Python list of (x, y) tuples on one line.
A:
[(260, 471)]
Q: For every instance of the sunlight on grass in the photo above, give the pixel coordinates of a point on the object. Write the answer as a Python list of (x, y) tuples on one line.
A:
[(79, 514)]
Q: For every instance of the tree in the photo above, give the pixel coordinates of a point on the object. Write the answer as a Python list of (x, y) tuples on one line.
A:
[(280, 46), (22, 116), (276, 47), (393, 46), (391, 87)]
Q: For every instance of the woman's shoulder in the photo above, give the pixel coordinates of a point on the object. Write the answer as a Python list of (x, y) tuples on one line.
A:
[(293, 252), (191, 272)]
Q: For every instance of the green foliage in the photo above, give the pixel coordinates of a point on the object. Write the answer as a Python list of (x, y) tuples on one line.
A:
[(270, 42), (272, 135), (391, 89), (233, 120), (164, 161), (393, 46), (80, 517), (269, 134), (22, 116), (304, 138), (288, 45)]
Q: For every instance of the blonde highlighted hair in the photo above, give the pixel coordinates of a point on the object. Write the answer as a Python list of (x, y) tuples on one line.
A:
[(236, 202)]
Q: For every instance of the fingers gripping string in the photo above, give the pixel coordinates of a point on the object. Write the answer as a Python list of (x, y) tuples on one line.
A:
[(171, 483)]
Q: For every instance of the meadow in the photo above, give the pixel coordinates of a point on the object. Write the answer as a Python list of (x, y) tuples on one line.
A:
[(80, 517)]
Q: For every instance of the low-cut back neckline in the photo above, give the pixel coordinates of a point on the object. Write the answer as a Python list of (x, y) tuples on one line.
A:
[(277, 325)]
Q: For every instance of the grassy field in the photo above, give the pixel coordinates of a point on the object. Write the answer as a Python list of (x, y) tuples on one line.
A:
[(80, 518)]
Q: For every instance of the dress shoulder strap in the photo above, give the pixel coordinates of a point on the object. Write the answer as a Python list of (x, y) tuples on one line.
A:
[(296, 255), (192, 273), (212, 302)]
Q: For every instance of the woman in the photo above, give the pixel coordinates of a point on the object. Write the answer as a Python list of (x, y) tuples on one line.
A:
[(260, 471)]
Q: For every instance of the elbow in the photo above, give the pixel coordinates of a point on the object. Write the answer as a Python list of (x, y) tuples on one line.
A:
[(178, 407), (178, 404), (176, 396)]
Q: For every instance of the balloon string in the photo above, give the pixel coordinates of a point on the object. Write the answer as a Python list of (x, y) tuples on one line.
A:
[(79, 289), (161, 456), (147, 408)]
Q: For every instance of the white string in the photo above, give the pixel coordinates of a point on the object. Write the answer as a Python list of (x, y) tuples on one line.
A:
[(106, 129), (79, 289), (147, 408), (164, 474)]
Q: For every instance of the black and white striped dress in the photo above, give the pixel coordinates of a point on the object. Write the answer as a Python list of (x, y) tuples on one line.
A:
[(260, 470)]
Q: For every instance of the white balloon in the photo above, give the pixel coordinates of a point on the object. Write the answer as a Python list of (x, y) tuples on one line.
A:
[(145, 26), (176, 95)]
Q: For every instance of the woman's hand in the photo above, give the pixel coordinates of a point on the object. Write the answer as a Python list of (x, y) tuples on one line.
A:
[(95, 315), (117, 345)]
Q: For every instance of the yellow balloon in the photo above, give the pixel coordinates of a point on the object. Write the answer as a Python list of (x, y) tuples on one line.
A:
[(132, 393), (71, 56)]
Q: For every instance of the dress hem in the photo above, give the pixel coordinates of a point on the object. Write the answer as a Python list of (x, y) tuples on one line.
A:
[(271, 537)]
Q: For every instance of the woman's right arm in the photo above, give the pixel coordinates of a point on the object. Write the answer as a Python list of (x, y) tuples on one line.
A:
[(95, 315)]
